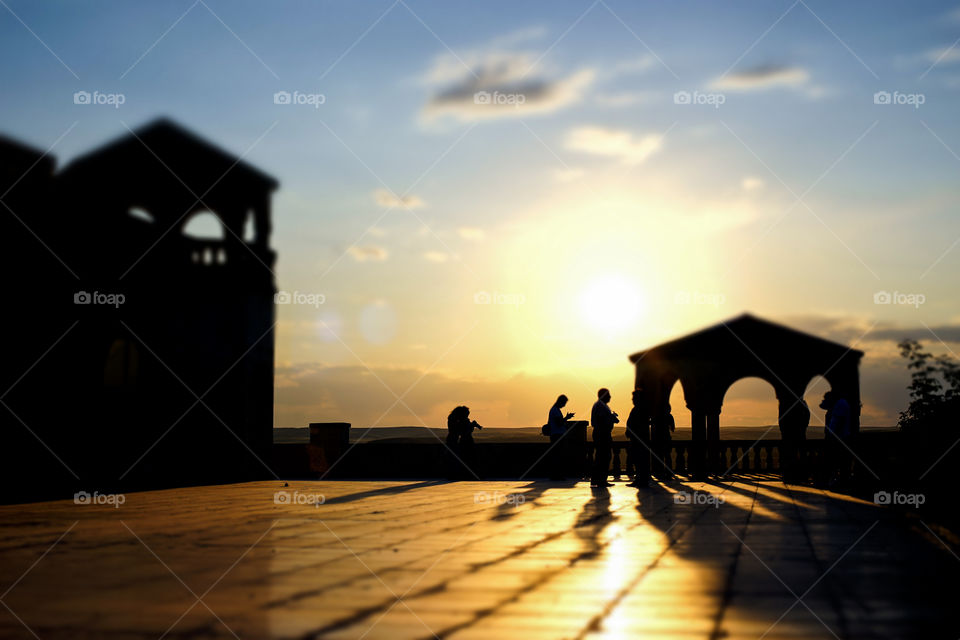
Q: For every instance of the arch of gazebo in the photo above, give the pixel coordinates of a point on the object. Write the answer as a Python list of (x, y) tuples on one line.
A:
[(709, 361)]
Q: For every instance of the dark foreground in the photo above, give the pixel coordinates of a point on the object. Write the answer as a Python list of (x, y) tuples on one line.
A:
[(753, 558)]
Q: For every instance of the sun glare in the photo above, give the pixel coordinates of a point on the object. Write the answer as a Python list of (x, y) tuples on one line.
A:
[(611, 303)]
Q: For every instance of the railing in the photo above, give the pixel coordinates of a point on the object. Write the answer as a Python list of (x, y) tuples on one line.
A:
[(724, 456), (875, 454)]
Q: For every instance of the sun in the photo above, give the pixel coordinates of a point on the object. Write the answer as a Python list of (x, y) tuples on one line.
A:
[(611, 303)]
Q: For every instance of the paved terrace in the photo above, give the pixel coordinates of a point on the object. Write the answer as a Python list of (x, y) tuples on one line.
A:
[(474, 560)]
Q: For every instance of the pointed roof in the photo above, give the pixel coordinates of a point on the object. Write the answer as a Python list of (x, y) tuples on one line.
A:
[(198, 162), (745, 333)]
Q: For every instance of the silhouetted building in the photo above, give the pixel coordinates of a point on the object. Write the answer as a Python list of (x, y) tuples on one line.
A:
[(137, 355), (709, 361)]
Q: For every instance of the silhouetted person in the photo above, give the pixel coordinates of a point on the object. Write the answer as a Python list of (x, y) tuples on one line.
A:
[(663, 426), (837, 437), (557, 425), (638, 433), (793, 426), (460, 443), (602, 419)]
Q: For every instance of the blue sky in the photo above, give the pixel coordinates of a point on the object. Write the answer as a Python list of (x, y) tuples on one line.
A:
[(599, 176)]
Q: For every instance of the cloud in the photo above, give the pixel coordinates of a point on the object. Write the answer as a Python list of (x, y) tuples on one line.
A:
[(846, 330), (369, 252), (752, 183), (944, 55), (762, 77), (471, 233), (435, 256), (614, 143), (314, 392), (387, 198), (947, 333), (498, 83), (627, 98)]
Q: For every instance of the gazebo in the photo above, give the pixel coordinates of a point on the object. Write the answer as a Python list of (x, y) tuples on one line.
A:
[(709, 361)]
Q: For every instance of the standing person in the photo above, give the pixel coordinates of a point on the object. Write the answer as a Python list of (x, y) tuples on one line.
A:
[(638, 432), (557, 425), (460, 443), (663, 425), (603, 420), (837, 436)]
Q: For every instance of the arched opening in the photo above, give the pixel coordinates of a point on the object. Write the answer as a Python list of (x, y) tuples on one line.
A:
[(749, 403), (249, 229), (204, 226), (678, 406), (817, 386), (140, 214)]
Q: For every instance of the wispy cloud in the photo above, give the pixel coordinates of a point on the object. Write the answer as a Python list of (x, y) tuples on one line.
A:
[(368, 252), (386, 198), (497, 82), (614, 143), (943, 55), (762, 77), (627, 98), (752, 183), (435, 256)]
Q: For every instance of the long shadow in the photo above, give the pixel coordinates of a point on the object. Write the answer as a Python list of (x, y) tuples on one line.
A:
[(593, 519), (507, 508), (385, 491)]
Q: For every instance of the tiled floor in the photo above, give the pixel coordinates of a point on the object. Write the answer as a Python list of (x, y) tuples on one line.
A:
[(747, 559)]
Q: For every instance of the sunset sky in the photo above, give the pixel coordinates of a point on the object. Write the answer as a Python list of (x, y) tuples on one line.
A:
[(641, 170)]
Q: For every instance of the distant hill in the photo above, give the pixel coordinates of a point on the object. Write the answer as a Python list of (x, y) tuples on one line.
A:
[(529, 434)]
